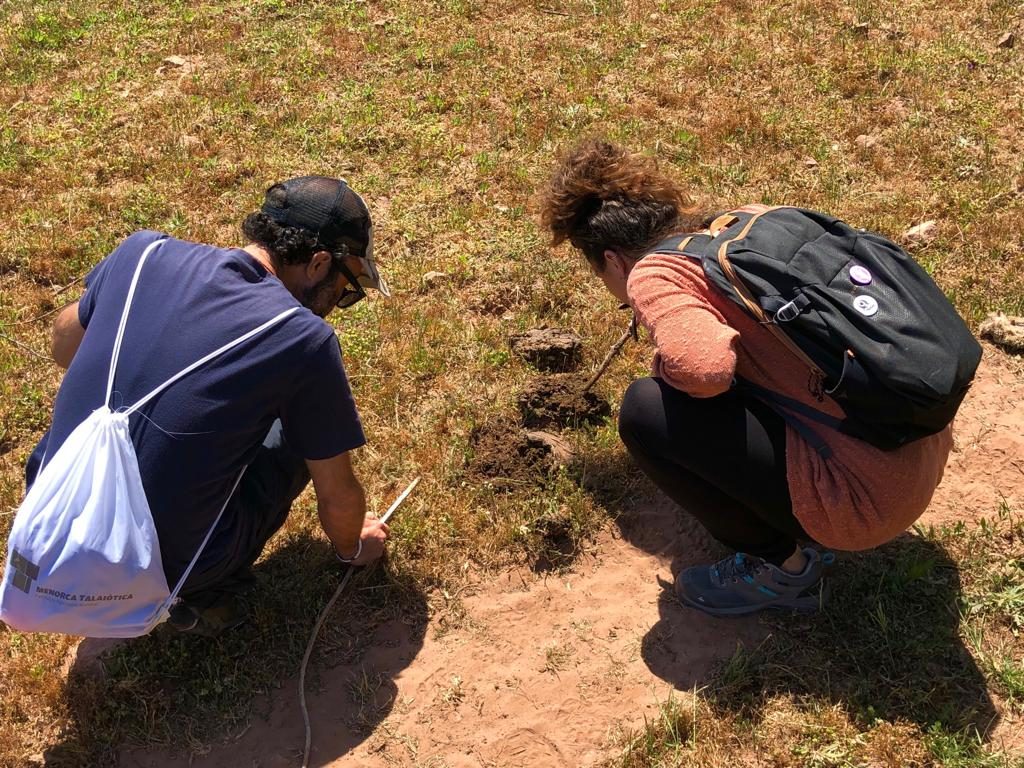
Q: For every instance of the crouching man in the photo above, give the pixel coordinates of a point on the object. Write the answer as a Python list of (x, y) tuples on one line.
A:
[(279, 403)]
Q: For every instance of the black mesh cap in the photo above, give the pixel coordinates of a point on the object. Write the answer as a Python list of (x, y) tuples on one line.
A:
[(334, 212)]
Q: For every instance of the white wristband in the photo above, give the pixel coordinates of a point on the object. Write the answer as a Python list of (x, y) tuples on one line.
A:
[(350, 560)]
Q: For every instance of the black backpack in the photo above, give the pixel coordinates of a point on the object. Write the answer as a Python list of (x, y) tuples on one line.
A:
[(877, 334)]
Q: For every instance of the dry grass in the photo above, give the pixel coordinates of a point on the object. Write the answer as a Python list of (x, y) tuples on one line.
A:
[(448, 114)]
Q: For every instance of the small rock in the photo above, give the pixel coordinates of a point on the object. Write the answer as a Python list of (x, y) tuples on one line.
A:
[(559, 448), (922, 233), (175, 61), (866, 141), (810, 162), (1005, 331), (550, 349), (432, 279), (87, 659), (1007, 40)]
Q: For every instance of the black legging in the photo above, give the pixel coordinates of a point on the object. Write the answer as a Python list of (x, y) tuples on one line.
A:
[(722, 459)]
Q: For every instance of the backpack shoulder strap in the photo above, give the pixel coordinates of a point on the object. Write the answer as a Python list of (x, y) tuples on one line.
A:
[(683, 245), (692, 245), (207, 358), (124, 318)]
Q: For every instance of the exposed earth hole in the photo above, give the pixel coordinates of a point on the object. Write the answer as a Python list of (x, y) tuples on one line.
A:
[(556, 401)]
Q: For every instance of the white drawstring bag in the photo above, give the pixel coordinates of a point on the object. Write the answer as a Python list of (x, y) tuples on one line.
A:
[(83, 554)]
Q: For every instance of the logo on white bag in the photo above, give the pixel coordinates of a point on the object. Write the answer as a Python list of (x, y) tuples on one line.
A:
[(71, 597), (25, 572)]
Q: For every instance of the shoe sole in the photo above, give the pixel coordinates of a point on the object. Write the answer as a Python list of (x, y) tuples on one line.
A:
[(807, 605)]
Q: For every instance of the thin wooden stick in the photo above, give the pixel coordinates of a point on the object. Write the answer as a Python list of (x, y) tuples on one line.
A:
[(44, 315), (319, 623), (25, 347), (76, 281), (616, 348)]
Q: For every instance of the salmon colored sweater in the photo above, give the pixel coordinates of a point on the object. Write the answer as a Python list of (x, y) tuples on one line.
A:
[(859, 497)]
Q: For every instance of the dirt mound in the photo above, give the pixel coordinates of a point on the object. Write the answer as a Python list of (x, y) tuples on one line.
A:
[(550, 349), (556, 401), (504, 455)]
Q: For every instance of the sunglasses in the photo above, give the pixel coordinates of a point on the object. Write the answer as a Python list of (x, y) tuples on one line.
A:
[(353, 292)]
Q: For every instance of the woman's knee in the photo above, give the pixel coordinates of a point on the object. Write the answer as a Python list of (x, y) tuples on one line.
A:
[(642, 414)]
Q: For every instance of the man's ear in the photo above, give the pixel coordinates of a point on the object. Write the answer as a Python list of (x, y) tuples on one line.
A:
[(319, 265)]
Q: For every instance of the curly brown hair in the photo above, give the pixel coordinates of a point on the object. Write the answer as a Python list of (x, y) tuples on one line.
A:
[(603, 197)]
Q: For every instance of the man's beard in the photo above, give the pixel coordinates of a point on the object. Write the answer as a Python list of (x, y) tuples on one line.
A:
[(318, 298)]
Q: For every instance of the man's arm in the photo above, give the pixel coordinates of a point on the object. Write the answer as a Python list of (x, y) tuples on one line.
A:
[(341, 505), (67, 335)]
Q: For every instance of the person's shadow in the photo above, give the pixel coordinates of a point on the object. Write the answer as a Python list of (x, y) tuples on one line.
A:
[(170, 699), (887, 645)]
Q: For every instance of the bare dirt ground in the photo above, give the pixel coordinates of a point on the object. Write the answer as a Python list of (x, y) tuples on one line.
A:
[(529, 670), (987, 463)]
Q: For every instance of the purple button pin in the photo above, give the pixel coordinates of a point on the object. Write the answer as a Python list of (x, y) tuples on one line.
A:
[(860, 275)]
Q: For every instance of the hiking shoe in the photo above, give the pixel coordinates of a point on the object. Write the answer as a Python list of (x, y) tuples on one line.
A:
[(742, 584), (226, 612)]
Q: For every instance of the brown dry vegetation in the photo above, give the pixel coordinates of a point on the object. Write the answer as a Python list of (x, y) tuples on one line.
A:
[(448, 114)]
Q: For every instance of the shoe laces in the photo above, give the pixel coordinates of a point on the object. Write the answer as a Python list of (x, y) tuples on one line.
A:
[(735, 567)]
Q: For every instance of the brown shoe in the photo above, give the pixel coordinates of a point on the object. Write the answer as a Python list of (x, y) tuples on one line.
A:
[(226, 612)]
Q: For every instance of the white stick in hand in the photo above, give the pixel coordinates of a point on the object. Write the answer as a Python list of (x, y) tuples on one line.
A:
[(319, 623), (397, 502)]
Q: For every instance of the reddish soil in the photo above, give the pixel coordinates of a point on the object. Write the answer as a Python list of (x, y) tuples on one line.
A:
[(537, 671), (987, 463)]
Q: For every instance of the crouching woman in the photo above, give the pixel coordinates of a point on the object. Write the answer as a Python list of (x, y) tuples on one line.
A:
[(751, 479)]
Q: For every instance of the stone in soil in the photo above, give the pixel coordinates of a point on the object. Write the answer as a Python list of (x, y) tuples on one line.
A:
[(550, 349), (561, 451), (556, 401), (1005, 331)]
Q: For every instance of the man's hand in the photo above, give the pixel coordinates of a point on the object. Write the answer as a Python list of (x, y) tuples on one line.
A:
[(373, 538), (341, 505)]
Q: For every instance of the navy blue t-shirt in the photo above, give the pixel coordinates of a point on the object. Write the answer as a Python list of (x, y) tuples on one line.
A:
[(194, 438)]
